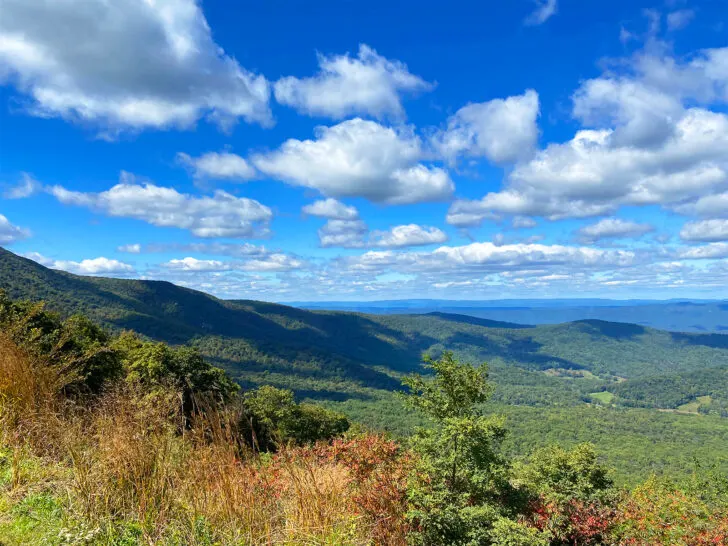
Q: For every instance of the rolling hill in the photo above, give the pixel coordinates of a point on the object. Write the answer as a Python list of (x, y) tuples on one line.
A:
[(355, 361), (673, 315)]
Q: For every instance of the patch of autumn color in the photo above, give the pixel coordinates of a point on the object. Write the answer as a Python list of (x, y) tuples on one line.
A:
[(656, 514), (378, 470), (575, 521)]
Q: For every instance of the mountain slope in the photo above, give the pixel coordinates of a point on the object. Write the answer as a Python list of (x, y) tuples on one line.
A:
[(678, 316), (545, 375), (334, 354)]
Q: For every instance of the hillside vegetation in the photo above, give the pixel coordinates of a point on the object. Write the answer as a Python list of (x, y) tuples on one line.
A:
[(552, 377), (115, 440)]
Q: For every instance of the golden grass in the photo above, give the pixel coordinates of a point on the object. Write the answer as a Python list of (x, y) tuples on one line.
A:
[(129, 458)]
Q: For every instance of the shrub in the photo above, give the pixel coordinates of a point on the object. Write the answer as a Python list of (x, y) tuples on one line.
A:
[(460, 477), (273, 418)]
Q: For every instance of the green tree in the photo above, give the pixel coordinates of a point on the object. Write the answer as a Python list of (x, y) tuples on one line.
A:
[(460, 486), (156, 365), (77, 349), (274, 418), (574, 496)]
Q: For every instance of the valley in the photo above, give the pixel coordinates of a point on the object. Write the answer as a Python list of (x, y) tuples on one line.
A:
[(588, 380)]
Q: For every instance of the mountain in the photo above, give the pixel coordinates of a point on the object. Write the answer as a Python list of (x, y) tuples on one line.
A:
[(544, 374), (675, 315)]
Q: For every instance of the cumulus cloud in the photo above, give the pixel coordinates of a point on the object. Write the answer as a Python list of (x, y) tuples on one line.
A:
[(487, 256), (544, 11), (221, 215), (650, 138), (407, 235), (705, 231), (28, 186), (95, 266), (589, 176), (643, 116), (715, 205), (679, 19), (127, 64), (613, 228), (359, 158), (355, 234), (269, 263), (218, 165), (368, 84), (135, 248), (343, 233), (711, 251), (519, 222), (332, 209), (193, 264), (501, 130), (10, 233)]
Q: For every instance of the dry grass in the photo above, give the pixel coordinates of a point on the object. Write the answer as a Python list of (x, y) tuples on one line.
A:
[(131, 460)]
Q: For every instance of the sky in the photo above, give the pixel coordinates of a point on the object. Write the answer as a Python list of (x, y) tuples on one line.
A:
[(337, 150)]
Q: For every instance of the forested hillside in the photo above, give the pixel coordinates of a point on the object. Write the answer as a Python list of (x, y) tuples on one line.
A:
[(355, 361), (116, 440)]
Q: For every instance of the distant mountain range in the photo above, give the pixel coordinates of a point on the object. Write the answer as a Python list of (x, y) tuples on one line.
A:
[(678, 315), (354, 361)]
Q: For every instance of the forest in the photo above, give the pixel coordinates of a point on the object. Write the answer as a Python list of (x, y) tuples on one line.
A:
[(116, 439), (585, 381)]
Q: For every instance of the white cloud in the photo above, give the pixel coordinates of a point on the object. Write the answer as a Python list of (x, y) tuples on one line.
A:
[(95, 266), (10, 233), (679, 19), (131, 248), (359, 158), (193, 264), (589, 176), (355, 234), (501, 130), (613, 228), (523, 222), (644, 147), (705, 230), (127, 64), (715, 205), (643, 116), (221, 215), (407, 235), (343, 233), (269, 263), (366, 85), (332, 209), (218, 165), (545, 10), (488, 256), (711, 251), (28, 186)]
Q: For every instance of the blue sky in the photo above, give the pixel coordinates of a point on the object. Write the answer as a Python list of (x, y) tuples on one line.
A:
[(339, 150)]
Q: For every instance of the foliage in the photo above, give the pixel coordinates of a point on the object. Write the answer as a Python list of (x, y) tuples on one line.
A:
[(459, 476), (353, 362), (660, 512), (121, 468), (156, 365), (76, 348), (272, 418), (574, 495)]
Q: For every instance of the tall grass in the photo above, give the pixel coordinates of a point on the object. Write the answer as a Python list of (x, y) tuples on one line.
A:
[(132, 459)]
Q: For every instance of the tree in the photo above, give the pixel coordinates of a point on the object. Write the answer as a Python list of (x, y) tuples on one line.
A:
[(460, 486), (156, 365), (574, 498), (274, 418), (75, 349)]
